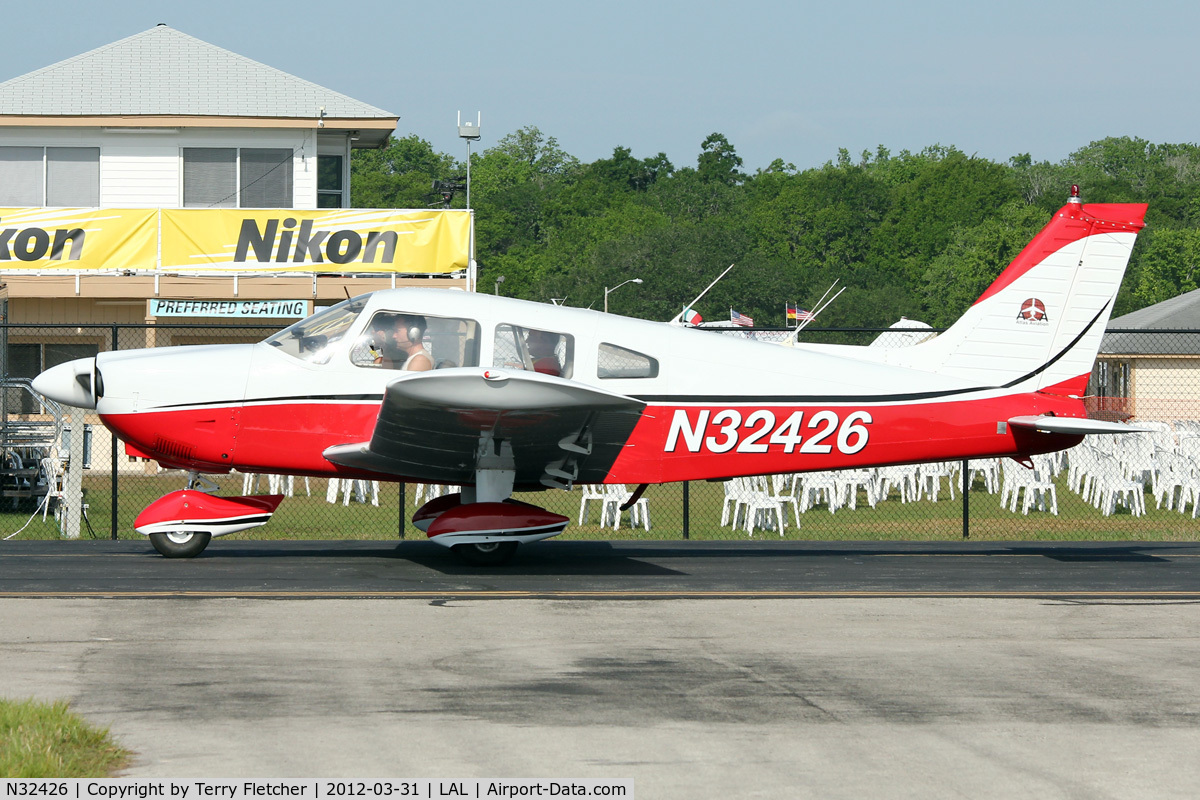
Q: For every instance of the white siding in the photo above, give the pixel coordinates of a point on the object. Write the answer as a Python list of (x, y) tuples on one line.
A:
[(139, 174), (1166, 388)]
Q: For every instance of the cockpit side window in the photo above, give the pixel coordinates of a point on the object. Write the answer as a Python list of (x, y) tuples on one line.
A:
[(533, 349), (414, 342), (614, 361), (314, 339)]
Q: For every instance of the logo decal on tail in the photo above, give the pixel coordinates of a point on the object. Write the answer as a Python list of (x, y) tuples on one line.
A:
[(1033, 310)]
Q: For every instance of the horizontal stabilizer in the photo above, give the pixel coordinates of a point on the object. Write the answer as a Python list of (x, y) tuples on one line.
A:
[(1076, 425)]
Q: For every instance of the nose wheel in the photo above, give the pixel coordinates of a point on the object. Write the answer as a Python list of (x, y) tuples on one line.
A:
[(180, 544)]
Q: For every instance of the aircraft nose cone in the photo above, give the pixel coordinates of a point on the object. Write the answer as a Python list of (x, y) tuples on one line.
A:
[(69, 383)]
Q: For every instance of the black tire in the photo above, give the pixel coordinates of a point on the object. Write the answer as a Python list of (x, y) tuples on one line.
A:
[(486, 554), (180, 544)]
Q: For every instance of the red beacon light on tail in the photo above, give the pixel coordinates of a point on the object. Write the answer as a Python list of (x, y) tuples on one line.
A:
[(1075, 198)]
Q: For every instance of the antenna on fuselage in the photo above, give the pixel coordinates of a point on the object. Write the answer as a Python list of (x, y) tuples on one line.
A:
[(822, 304), (677, 319)]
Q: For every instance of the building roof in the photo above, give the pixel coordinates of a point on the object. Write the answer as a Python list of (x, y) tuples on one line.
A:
[(165, 72), (1179, 313)]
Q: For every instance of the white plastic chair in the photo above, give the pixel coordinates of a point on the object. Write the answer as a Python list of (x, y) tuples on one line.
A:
[(250, 483), (1114, 488), (592, 492), (904, 477), (783, 490), (849, 481), (1037, 489), (929, 479), (346, 486), (616, 495), (814, 485), (1172, 475), (285, 485), (986, 468), (757, 504)]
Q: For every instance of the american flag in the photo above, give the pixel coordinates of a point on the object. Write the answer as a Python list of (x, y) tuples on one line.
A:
[(740, 319), (796, 314)]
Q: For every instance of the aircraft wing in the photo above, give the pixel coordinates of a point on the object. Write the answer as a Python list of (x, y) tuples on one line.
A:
[(441, 426)]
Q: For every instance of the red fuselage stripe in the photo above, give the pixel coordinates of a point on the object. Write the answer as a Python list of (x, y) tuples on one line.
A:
[(669, 443)]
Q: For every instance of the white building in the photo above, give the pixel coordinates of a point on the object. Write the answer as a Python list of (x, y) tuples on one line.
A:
[(141, 148), (1149, 363)]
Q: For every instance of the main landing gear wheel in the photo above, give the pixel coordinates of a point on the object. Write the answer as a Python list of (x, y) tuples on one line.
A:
[(180, 544), (486, 554)]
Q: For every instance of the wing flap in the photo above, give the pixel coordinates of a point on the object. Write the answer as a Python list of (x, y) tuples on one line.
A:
[(436, 427)]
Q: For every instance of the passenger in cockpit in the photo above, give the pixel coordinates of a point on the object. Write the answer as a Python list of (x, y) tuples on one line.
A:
[(542, 346)]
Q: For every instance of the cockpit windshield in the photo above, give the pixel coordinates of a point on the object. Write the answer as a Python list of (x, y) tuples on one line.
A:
[(313, 339)]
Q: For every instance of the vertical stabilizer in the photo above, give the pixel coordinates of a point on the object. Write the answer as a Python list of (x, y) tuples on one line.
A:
[(1039, 325)]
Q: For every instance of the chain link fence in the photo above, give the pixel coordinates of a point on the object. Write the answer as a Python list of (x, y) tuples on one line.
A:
[(1142, 486)]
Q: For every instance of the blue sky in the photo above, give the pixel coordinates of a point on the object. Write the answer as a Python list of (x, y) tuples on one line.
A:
[(789, 80)]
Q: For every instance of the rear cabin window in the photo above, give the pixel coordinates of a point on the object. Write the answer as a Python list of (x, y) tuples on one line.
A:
[(534, 349), (614, 361), (400, 340)]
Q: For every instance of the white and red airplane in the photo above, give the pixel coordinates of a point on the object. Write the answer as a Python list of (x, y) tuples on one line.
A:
[(500, 395)]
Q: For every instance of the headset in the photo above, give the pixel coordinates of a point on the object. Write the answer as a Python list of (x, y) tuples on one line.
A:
[(416, 327)]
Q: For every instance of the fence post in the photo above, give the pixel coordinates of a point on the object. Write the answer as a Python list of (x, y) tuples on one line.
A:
[(403, 489), (73, 481), (687, 505), (113, 449), (966, 485)]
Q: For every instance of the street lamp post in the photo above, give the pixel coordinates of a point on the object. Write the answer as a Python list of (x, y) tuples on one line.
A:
[(499, 280), (608, 291)]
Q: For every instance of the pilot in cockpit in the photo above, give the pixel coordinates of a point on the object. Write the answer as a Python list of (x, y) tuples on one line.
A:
[(407, 334), (394, 341)]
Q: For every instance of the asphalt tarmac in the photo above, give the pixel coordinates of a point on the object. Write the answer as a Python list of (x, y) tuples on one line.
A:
[(698, 670), (614, 570)]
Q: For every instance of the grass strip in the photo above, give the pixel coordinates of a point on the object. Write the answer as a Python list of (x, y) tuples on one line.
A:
[(47, 740)]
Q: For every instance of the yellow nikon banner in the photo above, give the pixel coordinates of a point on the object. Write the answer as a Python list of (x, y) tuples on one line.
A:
[(341, 240), (78, 239), (233, 240)]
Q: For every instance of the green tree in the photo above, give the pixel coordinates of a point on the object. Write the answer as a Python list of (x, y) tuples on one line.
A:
[(398, 175), (974, 258), (1169, 265), (719, 162)]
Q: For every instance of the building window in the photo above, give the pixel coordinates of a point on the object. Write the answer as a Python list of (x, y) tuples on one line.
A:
[(266, 180), (73, 176), (229, 177), (50, 176), (329, 182), (1112, 379), (210, 177)]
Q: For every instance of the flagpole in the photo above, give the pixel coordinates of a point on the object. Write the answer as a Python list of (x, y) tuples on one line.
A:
[(701, 295)]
